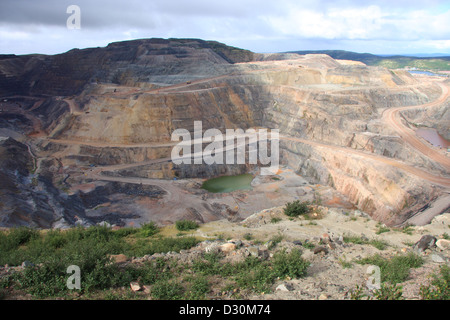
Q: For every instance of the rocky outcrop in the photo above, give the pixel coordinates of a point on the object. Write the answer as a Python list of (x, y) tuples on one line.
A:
[(147, 60)]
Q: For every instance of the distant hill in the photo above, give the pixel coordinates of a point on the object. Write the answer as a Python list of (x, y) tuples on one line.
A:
[(393, 62), (134, 60)]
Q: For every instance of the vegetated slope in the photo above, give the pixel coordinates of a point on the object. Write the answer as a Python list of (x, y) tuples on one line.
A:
[(392, 62), (324, 254)]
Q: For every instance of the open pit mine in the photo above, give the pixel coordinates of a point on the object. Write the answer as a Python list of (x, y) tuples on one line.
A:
[(86, 136)]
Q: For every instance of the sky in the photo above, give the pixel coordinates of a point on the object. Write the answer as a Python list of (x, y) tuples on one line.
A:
[(379, 27)]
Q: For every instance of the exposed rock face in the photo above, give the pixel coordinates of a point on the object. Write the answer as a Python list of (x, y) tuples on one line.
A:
[(118, 106), (147, 60), (24, 199)]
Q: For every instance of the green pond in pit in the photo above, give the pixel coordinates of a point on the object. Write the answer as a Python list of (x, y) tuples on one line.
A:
[(228, 183)]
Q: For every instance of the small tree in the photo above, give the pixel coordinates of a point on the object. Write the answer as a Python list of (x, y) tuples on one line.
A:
[(185, 225), (296, 208)]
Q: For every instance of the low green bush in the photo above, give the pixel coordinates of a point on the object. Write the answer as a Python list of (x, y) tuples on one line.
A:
[(440, 286), (296, 208), (148, 229), (167, 290), (186, 225), (396, 269), (198, 288), (388, 292), (289, 264)]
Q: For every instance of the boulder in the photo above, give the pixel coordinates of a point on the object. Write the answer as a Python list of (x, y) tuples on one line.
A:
[(27, 264), (213, 248), (227, 248), (254, 251), (264, 254), (237, 242), (437, 258), (331, 245), (320, 250), (326, 238), (135, 286), (443, 244), (118, 258), (284, 287), (426, 242)]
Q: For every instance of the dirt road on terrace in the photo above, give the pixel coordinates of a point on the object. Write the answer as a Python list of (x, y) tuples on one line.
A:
[(173, 204), (395, 163), (392, 118)]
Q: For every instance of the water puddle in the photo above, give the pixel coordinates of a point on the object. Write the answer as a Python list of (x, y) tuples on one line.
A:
[(427, 73), (228, 183), (433, 137)]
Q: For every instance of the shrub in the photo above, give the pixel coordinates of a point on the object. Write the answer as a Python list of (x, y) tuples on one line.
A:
[(274, 241), (357, 293), (148, 229), (167, 290), (296, 208), (379, 244), (388, 292), (408, 229), (16, 237), (209, 264), (124, 232), (199, 287), (275, 220), (55, 239), (439, 288), (396, 269), (289, 264), (381, 229), (259, 278), (308, 245), (186, 225), (248, 236)]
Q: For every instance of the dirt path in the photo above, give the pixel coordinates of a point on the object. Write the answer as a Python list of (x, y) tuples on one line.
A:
[(392, 118), (439, 180), (176, 203), (395, 163)]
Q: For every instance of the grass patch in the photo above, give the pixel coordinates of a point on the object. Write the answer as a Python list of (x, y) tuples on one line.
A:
[(382, 229), (146, 230), (396, 269), (308, 245), (252, 274), (344, 263), (439, 288), (379, 244), (54, 251), (408, 229), (186, 225), (197, 287), (275, 220), (167, 278), (171, 290), (272, 243)]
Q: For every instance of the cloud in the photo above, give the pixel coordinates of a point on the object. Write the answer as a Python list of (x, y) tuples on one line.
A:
[(40, 26), (362, 23)]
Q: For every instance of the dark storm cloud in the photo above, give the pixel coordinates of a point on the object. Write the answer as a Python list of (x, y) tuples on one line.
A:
[(132, 13)]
